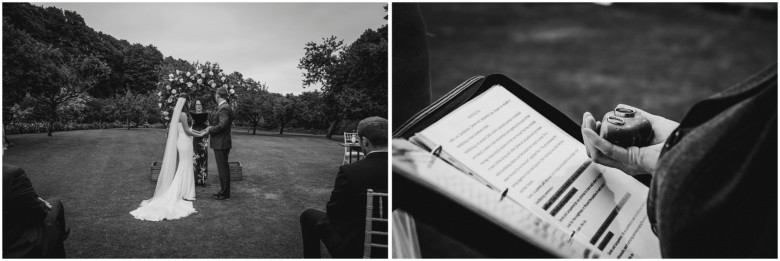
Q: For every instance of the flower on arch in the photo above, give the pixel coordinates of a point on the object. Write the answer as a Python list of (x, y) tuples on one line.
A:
[(200, 81)]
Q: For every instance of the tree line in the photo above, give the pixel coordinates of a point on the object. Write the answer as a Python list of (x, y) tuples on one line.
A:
[(58, 70)]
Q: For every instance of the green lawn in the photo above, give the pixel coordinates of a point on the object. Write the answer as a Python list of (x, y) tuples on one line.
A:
[(101, 175), (586, 57)]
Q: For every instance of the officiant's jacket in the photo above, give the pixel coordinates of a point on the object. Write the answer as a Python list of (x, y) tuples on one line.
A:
[(346, 209), (220, 122), (714, 193)]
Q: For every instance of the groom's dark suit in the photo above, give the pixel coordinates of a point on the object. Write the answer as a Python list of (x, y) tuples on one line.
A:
[(220, 121)]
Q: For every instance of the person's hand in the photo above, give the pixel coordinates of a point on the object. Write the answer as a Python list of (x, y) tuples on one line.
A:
[(48, 205), (632, 160)]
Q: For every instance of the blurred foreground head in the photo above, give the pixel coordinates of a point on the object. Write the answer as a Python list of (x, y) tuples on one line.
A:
[(374, 130)]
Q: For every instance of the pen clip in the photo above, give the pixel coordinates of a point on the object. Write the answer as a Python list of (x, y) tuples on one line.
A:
[(437, 151), (435, 154), (503, 195)]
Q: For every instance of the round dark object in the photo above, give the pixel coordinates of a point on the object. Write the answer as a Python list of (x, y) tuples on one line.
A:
[(626, 127)]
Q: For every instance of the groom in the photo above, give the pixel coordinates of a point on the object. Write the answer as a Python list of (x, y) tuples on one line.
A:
[(220, 121)]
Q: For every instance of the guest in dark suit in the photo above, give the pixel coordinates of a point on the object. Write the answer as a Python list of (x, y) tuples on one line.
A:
[(221, 120), (342, 226), (32, 227)]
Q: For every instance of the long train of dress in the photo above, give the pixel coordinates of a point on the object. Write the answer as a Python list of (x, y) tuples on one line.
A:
[(173, 203)]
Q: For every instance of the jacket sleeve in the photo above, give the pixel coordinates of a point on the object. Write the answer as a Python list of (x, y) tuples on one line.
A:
[(336, 206), (222, 113), (21, 198)]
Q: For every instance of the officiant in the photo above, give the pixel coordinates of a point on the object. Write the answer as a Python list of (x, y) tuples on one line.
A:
[(200, 144)]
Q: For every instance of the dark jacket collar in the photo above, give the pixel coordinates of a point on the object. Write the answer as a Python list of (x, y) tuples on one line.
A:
[(382, 154), (706, 109)]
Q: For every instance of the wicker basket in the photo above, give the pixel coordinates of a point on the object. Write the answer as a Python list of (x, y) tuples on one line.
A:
[(155, 170), (236, 171)]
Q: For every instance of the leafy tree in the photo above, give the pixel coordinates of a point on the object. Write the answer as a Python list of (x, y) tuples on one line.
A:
[(135, 107), (22, 56), (55, 67), (250, 104), (320, 62), (69, 80), (73, 109), (49, 76), (321, 65), (366, 64), (284, 109), (100, 110), (353, 78), (133, 67), (311, 110), (141, 67)]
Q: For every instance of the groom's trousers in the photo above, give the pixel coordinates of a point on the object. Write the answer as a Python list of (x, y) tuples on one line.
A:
[(221, 157)]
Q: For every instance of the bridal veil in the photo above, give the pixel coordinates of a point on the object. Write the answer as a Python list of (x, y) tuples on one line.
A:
[(167, 202), (168, 166)]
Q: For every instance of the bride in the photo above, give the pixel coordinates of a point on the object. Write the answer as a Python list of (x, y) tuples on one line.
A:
[(175, 190)]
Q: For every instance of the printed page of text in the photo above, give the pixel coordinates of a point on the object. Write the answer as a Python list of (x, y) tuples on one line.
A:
[(475, 195), (514, 147)]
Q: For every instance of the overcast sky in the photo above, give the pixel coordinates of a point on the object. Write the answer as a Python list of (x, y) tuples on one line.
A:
[(263, 41)]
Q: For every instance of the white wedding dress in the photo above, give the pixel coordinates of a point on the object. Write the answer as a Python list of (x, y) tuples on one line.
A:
[(173, 191)]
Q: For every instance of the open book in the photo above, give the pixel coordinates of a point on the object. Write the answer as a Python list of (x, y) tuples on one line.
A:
[(498, 155)]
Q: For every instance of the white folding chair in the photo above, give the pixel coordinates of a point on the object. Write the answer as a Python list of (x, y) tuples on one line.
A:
[(405, 241), (370, 219), (350, 137)]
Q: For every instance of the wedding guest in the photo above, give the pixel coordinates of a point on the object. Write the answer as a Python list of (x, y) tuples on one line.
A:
[(342, 226), (32, 227), (200, 146)]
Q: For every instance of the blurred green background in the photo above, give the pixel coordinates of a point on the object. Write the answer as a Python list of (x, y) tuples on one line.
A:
[(587, 57)]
